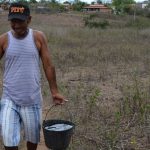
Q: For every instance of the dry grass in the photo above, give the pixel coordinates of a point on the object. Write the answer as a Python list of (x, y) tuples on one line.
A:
[(105, 74)]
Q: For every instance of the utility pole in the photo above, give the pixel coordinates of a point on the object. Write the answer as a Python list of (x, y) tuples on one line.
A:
[(134, 15)]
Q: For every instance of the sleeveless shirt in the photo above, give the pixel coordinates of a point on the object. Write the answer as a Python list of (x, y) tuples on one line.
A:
[(21, 79)]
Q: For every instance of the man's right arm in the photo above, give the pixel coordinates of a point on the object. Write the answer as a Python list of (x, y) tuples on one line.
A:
[(3, 44)]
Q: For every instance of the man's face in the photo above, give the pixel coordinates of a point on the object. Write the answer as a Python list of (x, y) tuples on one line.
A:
[(20, 26)]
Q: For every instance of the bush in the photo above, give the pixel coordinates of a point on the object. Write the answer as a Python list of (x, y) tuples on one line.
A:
[(138, 23), (91, 23), (103, 24)]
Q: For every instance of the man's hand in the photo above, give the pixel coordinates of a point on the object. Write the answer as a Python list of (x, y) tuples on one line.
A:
[(58, 99)]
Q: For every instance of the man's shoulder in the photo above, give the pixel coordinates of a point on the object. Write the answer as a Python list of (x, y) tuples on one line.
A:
[(3, 37), (38, 33), (3, 43)]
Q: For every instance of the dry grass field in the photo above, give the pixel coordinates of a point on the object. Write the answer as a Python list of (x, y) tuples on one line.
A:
[(105, 75)]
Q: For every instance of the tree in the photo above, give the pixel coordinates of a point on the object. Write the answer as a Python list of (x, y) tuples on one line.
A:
[(67, 2), (148, 6), (33, 1), (54, 1), (92, 3), (122, 6), (78, 6), (99, 2)]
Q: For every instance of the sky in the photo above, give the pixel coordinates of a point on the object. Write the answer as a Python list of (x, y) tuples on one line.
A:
[(139, 0)]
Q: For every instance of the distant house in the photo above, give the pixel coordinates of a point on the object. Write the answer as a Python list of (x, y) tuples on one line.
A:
[(142, 5), (42, 9), (1, 10), (67, 6), (97, 8), (5, 6)]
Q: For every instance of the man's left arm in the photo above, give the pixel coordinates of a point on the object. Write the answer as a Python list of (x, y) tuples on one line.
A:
[(49, 69), (3, 44)]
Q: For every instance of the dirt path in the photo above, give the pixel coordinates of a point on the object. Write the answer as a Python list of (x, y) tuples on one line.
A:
[(41, 145)]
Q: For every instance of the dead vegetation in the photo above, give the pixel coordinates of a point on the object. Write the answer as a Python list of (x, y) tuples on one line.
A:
[(105, 75)]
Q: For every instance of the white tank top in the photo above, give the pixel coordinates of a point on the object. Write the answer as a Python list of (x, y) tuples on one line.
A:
[(21, 79)]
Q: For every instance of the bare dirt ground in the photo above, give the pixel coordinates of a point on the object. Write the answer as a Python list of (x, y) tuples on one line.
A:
[(41, 145)]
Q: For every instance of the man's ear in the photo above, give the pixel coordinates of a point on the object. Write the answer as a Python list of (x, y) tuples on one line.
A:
[(29, 19)]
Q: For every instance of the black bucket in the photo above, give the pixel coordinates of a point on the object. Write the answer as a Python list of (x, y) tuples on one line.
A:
[(57, 139)]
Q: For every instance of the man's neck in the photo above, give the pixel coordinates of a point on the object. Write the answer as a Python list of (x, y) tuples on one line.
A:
[(20, 36)]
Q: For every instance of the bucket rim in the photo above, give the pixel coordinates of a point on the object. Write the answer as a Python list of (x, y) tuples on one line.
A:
[(55, 121)]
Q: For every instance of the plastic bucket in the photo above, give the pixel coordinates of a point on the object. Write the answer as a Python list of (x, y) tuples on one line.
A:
[(57, 138)]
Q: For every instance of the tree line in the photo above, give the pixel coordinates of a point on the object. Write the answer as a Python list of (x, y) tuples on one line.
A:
[(118, 6)]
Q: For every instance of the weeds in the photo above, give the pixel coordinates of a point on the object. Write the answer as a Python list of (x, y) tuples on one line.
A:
[(135, 102), (109, 101), (91, 23)]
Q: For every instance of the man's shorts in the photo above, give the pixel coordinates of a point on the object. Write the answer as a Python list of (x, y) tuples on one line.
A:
[(13, 118)]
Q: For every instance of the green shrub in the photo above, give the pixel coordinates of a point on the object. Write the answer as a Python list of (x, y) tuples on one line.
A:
[(91, 22), (138, 23)]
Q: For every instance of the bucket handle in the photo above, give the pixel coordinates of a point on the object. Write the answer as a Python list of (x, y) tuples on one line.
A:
[(51, 107)]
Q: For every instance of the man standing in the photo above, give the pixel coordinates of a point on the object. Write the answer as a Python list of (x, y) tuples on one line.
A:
[(22, 49)]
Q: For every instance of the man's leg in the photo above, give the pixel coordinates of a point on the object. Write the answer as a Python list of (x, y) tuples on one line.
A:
[(31, 117), (10, 125), (31, 146)]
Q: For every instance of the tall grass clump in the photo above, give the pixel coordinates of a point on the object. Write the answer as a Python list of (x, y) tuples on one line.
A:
[(91, 22), (139, 23)]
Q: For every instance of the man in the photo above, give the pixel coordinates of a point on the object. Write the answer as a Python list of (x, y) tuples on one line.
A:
[(21, 97)]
